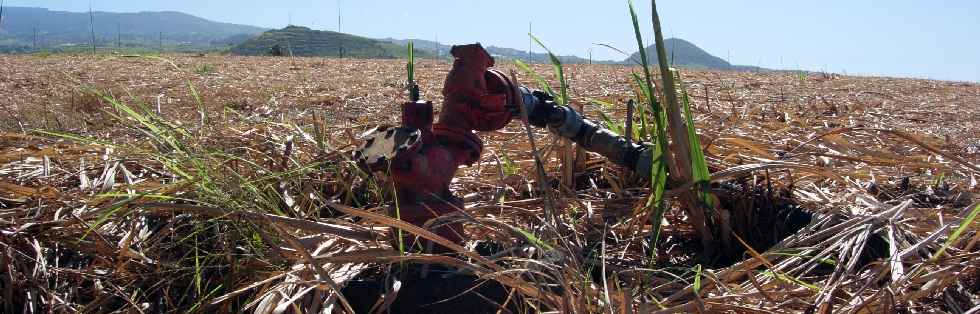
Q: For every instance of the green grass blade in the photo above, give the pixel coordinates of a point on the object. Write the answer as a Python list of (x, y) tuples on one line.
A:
[(699, 166), (611, 125), (697, 279), (658, 172), (411, 62), (85, 139), (542, 83), (646, 85), (197, 266), (413, 89), (644, 61), (658, 183), (617, 128), (537, 242), (108, 212), (200, 104), (510, 168), (559, 73), (958, 232), (154, 131), (644, 96), (398, 215)]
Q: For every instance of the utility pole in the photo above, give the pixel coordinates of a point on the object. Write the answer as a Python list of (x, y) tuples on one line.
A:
[(339, 30), (530, 42), (590, 55), (91, 17), (438, 48), (160, 39), (118, 35)]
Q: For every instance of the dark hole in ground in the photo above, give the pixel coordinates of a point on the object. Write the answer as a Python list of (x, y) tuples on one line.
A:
[(763, 216), (6, 204), (897, 190), (438, 290), (973, 283), (760, 214)]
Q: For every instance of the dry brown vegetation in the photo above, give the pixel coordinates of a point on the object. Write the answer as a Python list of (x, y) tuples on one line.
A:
[(227, 204)]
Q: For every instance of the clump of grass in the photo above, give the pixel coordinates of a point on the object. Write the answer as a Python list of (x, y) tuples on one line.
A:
[(684, 167), (201, 174), (204, 69), (656, 205)]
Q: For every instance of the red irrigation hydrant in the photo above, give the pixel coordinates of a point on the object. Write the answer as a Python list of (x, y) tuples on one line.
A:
[(423, 157)]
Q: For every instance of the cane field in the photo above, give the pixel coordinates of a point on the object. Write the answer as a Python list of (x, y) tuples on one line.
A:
[(189, 183)]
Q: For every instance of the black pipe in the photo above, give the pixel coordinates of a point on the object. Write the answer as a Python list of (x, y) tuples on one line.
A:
[(568, 123)]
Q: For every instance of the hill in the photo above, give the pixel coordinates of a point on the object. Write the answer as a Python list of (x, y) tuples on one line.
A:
[(60, 28), (683, 53), (302, 41), (498, 52)]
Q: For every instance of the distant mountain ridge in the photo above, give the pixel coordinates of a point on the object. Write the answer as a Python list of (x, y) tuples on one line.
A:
[(56, 28), (506, 53), (306, 42), (683, 53), (190, 33)]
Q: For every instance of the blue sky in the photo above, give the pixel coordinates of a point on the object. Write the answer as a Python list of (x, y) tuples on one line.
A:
[(930, 39)]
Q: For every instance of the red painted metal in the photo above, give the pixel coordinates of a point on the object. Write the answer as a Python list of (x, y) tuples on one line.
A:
[(476, 99)]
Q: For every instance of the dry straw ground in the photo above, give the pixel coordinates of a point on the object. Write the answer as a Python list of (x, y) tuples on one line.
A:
[(228, 179)]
